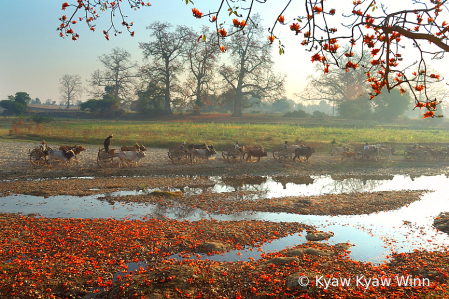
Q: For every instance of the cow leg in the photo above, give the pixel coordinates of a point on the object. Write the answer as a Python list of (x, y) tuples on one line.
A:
[(258, 159)]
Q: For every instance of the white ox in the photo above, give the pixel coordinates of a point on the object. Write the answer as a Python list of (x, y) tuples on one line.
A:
[(130, 156), (338, 151), (201, 153), (64, 156)]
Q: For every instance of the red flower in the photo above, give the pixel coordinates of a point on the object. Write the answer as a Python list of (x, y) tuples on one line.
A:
[(419, 87), (281, 19), (64, 5), (295, 27), (332, 11), (214, 18), (196, 13), (222, 31), (317, 9), (428, 114), (350, 64), (316, 57), (223, 49), (271, 38), (239, 24)]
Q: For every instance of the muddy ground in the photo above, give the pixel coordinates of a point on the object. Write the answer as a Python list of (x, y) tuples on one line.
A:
[(15, 164), (66, 258)]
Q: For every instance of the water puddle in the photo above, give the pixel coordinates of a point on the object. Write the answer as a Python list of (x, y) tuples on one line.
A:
[(375, 235)]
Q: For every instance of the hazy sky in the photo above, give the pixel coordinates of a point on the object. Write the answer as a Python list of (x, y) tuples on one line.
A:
[(33, 56)]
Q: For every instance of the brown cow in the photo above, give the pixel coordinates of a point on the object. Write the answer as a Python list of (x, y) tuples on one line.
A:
[(348, 155), (77, 149), (256, 153)]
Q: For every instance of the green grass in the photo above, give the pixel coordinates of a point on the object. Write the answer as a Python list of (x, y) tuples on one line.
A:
[(166, 134)]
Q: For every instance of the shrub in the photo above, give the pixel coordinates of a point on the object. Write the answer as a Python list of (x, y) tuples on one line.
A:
[(298, 113)]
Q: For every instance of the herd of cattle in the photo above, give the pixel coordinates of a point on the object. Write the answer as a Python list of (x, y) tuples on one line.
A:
[(133, 154)]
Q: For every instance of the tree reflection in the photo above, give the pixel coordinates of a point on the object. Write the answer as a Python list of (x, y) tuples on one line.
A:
[(353, 183), (298, 180)]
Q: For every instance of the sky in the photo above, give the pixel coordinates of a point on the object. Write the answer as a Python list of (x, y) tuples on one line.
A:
[(33, 57)]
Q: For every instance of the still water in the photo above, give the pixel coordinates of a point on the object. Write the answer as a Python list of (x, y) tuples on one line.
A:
[(375, 235)]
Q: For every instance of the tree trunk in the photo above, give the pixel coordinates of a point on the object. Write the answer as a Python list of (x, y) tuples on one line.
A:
[(167, 89), (237, 104)]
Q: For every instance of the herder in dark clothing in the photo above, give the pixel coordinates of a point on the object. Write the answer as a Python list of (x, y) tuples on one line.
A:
[(107, 143)]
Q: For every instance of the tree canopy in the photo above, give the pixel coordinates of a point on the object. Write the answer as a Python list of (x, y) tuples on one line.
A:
[(387, 34), (16, 105)]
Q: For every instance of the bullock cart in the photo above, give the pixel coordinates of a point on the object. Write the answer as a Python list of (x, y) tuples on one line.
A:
[(39, 155), (416, 153), (178, 156), (285, 155), (232, 155), (110, 159), (247, 148)]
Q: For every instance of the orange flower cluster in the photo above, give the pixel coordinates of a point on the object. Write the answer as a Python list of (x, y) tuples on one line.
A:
[(332, 11), (428, 114), (281, 19), (196, 13), (317, 9), (239, 24), (64, 5), (352, 65), (295, 27), (316, 57), (271, 38), (419, 87), (222, 32)]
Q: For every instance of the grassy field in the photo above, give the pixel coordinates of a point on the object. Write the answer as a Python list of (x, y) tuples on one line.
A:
[(217, 131)]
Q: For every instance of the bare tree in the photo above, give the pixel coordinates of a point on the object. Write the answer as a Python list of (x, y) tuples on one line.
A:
[(251, 70), (166, 50), (336, 85), (202, 57), (371, 24), (119, 75), (70, 89)]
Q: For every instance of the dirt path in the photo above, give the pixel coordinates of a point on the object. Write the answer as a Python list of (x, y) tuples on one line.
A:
[(15, 164)]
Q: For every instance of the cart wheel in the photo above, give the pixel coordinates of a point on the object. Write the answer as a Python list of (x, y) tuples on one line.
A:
[(37, 157), (408, 154), (177, 156), (103, 158), (234, 156)]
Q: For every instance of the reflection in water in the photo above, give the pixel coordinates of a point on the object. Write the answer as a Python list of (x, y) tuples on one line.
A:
[(238, 183), (297, 180), (374, 235)]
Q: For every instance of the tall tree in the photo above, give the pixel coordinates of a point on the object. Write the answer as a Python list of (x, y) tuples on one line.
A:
[(338, 86), (119, 73), (17, 104), (367, 23), (390, 105), (165, 49), (70, 89), (202, 57), (250, 72)]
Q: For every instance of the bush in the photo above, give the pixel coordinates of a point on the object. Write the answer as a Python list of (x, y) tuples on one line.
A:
[(319, 114), (298, 113), (40, 119)]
